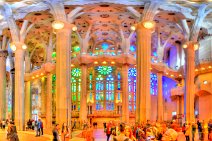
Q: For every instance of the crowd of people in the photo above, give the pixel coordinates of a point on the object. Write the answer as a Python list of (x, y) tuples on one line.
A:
[(61, 134), (161, 131), (36, 125)]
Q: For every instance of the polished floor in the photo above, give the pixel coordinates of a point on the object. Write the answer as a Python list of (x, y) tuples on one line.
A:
[(98, 134)]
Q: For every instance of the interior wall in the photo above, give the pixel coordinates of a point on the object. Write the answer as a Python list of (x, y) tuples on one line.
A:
[(205, 107), (173, 57)]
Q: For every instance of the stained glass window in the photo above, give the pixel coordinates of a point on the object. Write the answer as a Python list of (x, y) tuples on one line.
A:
[(154, 84), (104, 70), (75, 88), (99, 92), (132, 88)]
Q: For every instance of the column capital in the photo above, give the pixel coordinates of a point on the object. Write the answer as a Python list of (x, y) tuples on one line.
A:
[(3, 53)]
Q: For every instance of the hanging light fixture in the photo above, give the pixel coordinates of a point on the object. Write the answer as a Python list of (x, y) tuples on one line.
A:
[(149, 24), (185, 45), (58, 25), (74, 28), (24, 46), (196, 46), (13, 47), (133, 27)]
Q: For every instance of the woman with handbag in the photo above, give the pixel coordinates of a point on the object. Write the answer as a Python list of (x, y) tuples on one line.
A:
[(65, 133)]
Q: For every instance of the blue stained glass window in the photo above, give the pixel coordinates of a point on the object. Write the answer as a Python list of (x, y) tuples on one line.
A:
[(132, 48), (105, 46), (119, 96), (132, 72), (154, 84)]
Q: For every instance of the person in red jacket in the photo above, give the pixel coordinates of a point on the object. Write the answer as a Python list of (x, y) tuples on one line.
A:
[(108, 130)]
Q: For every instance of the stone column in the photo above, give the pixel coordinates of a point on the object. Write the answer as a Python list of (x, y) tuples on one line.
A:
[(189, 83), (160, 97), (28, 105), (125, 94), (3, 84), (19, 87), (83, 96), (43, 97), (49, 101), (63, 40), (143, 62), (13, 93)]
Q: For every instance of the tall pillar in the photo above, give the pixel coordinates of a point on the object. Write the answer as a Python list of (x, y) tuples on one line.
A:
[(83, 96), (49, 101), (43, 97), (143, 62), (28, 105), (19, 87), (189, 83), (125, 94), (13, 93), (160, 97), (63, 40), (3, 57)]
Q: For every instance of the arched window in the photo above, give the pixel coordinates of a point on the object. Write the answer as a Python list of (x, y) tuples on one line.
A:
[(132, 88), (75, 88), (99, 92), (154, 84)]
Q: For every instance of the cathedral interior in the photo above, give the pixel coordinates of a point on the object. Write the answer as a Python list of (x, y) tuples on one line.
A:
[(103, 60)]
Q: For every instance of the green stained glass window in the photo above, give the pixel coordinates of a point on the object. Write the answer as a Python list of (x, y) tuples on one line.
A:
[(104, 70), (76, 48), (53, 54), (76, 72)]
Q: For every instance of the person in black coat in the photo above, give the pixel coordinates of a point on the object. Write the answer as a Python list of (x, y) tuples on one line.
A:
[(55, 133)]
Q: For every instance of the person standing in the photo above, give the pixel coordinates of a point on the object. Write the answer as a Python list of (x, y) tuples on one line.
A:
[(108, 130), (41, 127), (74, 125), (13, 136), (55, 133), (65, 133), (122, 136), (37, 128)]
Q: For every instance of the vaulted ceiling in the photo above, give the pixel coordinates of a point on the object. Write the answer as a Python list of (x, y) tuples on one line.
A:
[(105, 19)]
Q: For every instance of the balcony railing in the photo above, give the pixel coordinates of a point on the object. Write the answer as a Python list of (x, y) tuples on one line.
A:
[(113, 113), (179, 91), (203, 61)]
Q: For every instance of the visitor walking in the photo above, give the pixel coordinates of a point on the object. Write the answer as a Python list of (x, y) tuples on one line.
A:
[(65, 133), (55, 133), (12, 135), (74, 125), (3, 123), (36, 129), (122, 136), (41, 127), (108, 130)]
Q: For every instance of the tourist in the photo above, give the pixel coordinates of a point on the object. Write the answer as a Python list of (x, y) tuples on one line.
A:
[(65, 133), (33, 124), (55, 133), (187, 131), (74, 125), (199, 125), (122, 136), (129, 134), (3, 124), (108, 130), (36, 129), (194, 127), (41, 127), (105, 127), (13, 136)]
